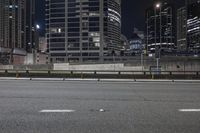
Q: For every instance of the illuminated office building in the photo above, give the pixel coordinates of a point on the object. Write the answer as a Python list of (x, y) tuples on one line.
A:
[(16, 27), (160, 34), (82, 30), (181, 29), (193, 26)]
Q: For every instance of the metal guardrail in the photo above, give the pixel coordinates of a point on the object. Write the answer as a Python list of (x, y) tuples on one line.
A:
[(50, 73), (97, 71)]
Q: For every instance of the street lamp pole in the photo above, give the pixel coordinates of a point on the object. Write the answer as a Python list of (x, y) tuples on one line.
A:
[(155, 28), (157, 6), (160, 26), (142, 60)]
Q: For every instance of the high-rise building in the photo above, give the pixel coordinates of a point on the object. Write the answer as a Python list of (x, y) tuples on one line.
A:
[(181, 29), (188, 31), (82, 30), (193, 26), (136, 42), (31, 40), (160, 34), (16, 27), (11, 24)]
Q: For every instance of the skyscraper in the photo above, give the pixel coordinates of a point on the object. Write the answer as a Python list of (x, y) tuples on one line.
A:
[(31, 44), (188, 31), (16, 27), (181, 29), (193, 26), (11, 26), (82, 30), (160, 34)]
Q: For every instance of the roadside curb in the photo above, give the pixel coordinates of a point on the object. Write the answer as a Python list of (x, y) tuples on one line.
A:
[(100, 80)]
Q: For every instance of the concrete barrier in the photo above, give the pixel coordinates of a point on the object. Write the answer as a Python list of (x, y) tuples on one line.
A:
[(33, 67), (165, 63), (97, 67), (6, 67)]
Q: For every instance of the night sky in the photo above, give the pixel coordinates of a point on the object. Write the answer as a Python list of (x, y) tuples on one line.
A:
[(133, 14)]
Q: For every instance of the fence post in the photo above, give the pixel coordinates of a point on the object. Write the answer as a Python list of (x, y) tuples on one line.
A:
[(144, 73), (170, 73), (17, 74), (49, 72), (6, 71), (152, 76), (27, 73)]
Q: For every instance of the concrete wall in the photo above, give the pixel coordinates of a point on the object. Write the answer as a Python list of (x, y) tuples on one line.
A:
[(181, 66), (111, 67), (29, 59), (17, 59), (178, 64), (32, 67), (165, 64), (6, 67), (26, 67), (190, 64), (41, 59)]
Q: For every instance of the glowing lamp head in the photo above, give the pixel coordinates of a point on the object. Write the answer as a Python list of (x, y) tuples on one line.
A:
[(158, 5), (37, 26)]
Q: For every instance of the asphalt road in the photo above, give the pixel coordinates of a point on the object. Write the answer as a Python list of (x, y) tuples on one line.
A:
[(98, 107)]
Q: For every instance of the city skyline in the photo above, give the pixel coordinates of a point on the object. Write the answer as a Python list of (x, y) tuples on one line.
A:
[(94, 28), (99, 66), (133, 14)]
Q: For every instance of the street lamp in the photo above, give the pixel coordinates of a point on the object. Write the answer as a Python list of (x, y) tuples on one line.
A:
[(35, 46), (37, 26), (157, 6)]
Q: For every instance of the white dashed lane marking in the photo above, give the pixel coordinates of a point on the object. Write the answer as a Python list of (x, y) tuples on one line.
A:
[(57, 111), (189, 110)]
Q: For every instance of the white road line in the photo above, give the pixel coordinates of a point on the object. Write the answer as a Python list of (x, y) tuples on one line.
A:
[(57, 111), (189, 110)]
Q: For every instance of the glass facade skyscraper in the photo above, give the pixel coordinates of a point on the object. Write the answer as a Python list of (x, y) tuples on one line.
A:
[(17, 27), (160, 34), (193, 27), (12, 22), (31, 43), (188, 27), (82, 30), (181, 29)]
